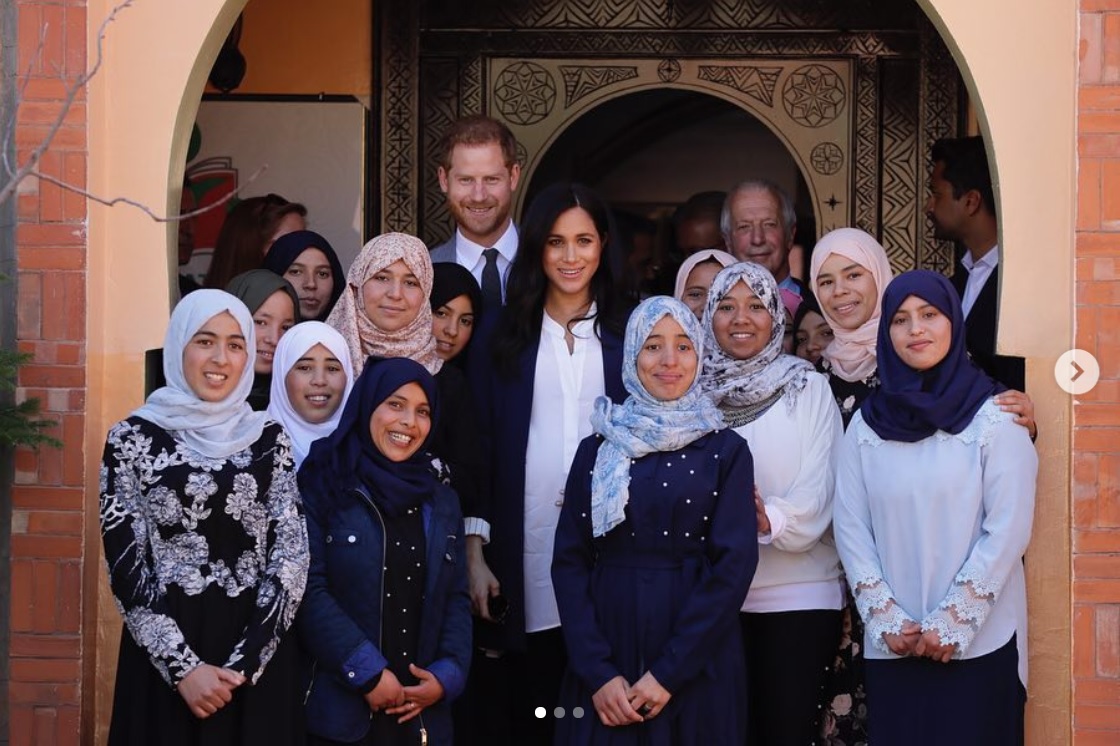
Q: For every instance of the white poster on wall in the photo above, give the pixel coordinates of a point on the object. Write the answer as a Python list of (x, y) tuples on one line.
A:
[(314, 152)]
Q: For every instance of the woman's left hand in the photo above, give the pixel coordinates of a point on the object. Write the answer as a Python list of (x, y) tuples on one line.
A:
[(1019, 404), (760, 513), (648, 697), (929, 646), (416, 698)]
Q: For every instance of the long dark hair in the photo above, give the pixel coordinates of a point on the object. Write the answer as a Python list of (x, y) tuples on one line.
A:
[(527, 287)]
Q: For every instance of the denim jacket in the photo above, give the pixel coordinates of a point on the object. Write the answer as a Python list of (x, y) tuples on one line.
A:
[(339, 622)]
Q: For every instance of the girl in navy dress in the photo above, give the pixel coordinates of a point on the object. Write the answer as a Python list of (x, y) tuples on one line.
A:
[(654, 552), (934, 504)]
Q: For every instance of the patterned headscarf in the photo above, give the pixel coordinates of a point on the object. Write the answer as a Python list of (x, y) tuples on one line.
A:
[(415, 340), (852, 353), (743, 383), (215, 429), (293, 346), (643, 424)]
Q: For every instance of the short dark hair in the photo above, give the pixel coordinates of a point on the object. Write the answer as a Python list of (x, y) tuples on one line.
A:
[(477, 129), (966, 167), (700, 206)]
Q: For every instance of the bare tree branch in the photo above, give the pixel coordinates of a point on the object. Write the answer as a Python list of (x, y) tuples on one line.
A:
[(71, 93), (110, 202)]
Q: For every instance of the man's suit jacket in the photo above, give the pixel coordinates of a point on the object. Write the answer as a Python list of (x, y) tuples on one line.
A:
[(980, 332), (445, 252)]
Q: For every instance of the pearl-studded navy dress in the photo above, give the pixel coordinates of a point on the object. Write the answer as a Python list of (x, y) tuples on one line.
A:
[(660, 592)]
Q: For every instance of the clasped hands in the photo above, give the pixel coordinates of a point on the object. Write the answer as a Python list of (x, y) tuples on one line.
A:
[(207, 689), (618, 703), (912, 640), (407, 701)]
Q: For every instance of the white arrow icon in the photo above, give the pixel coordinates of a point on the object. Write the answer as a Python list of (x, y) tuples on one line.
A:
[(1077, 372)]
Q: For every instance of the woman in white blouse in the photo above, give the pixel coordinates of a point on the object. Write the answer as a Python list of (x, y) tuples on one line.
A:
[(784, 409), (536, 372), (934, 504)]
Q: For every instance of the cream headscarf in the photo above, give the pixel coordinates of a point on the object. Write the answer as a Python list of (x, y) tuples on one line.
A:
[(852, 353), (293, 346), (415, 340), (215, 429), (707, 255)]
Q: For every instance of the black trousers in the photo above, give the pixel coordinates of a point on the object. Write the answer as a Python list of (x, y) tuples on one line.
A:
[(789, 655), (919, 702), (503, 695)]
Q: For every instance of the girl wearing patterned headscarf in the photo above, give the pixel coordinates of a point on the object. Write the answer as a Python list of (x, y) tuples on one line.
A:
[(654, 552), (384, 312), (206, 546), (934, 504), (784, 410)]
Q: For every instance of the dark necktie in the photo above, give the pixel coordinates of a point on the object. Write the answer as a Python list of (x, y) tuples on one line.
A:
[(491, 282)]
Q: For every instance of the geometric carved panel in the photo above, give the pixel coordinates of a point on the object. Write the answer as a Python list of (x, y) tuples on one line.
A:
[(756, 82), (581, 80)]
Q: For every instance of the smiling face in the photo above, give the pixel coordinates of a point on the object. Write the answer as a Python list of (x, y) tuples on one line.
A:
[(214, 358), (697, 285), (310, 274), (479, 188), (757, 232), (400, 424), (847, 291), (668, 361), (741, 323), (274, 317), (571, 255), (813, 336), (452, 325), (392, 298), (315, 385), (920, 333)]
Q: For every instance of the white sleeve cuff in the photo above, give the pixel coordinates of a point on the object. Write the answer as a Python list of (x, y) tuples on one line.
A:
[(477, 527), (777, 524)]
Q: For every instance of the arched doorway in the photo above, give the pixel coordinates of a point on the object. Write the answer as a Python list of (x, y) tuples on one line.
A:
[(1005, 84)]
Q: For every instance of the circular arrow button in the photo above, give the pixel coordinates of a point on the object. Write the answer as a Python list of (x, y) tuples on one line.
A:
[(1077, 372)]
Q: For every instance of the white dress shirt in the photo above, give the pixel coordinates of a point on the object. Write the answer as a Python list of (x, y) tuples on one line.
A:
[(794, 451), (978, 273), (469, 254), (939, 527), (565, 387)]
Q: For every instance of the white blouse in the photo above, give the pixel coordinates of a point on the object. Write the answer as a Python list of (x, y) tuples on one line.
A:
[(794, 451), (565, 387), (935, 531)]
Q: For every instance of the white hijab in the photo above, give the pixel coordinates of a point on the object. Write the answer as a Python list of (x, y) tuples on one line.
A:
[(215, 429), (293, 346)]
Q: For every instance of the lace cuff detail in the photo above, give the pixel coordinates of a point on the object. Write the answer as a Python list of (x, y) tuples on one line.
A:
[(880, 612), (961, 614)]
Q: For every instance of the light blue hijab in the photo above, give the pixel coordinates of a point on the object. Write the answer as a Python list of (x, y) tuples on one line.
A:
[(642, 424)]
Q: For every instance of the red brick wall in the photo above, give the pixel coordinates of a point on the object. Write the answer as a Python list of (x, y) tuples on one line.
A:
[(1096, 437), (48, 497)]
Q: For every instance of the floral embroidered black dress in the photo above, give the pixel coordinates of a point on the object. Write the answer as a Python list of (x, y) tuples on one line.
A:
[(207, 562), (845, 719)]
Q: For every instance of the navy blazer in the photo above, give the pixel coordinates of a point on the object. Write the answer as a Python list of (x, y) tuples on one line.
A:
[(505, 404), (980, 332), (339, 621)]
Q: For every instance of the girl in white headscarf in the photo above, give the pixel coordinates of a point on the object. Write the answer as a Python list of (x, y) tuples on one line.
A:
[(206, 546), (784, 409), (311, 381)]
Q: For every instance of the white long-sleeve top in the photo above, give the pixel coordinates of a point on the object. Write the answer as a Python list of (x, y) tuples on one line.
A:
[(934, 532), (794, 450)]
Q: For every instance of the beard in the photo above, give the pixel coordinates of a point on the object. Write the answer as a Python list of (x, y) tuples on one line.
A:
[(479, 225)]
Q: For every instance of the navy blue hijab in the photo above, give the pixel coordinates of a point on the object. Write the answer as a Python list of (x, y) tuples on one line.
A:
[(287, 249), (348, 457), (910, 405)]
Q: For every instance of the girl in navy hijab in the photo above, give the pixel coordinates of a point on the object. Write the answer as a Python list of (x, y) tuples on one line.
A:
[(933, 510), (310, 264), (386, 614)]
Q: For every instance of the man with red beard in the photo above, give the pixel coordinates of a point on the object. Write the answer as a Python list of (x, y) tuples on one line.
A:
[(479, 172)]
